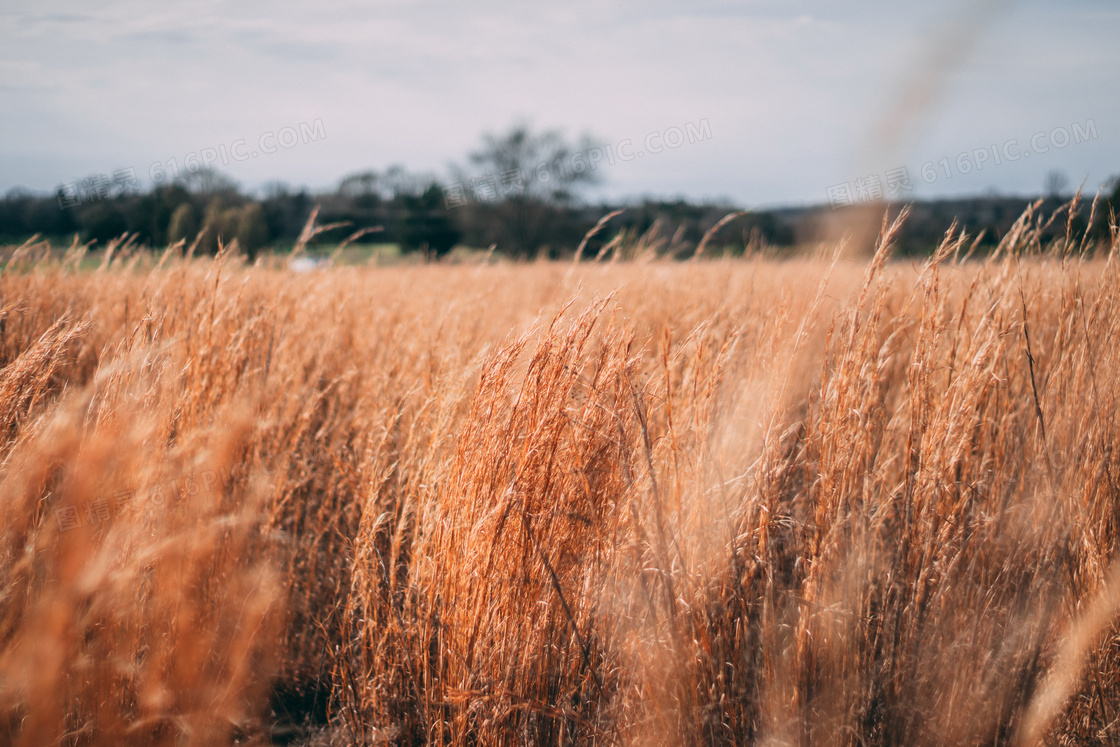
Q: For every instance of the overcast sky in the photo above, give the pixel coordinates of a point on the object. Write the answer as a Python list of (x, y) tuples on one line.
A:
[(786, 99)]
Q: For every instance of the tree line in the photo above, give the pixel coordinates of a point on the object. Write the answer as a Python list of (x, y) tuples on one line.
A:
[(519, 192)]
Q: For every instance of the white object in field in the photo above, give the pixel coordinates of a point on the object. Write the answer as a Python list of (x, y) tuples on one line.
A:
[(306, 264)]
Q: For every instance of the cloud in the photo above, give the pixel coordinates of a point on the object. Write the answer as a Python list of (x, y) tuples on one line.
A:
[(791, 90)]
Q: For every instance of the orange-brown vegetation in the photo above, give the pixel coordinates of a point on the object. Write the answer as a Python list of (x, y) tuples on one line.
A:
[(749, 501)]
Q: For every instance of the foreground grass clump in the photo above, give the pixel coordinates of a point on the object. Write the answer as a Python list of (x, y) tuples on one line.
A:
[(814, 501)]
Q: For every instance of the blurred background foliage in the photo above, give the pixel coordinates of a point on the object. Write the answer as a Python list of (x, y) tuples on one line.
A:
[(522, 192)]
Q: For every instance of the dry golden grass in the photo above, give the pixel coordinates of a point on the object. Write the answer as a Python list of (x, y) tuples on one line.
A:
[(812, 501)]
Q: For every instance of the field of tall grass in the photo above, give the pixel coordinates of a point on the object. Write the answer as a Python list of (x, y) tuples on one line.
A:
[(812, 500)]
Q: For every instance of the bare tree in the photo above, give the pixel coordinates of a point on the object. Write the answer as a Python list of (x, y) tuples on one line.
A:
[(521, 181), (1055, 184)]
